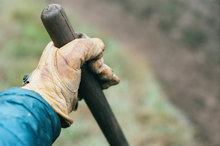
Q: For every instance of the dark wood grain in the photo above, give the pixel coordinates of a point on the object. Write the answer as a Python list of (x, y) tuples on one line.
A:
[(61, 33)]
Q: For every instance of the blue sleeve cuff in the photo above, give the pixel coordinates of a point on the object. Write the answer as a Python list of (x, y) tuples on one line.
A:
[(26, 119)]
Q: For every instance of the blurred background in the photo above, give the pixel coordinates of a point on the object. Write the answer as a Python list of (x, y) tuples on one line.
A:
[(167, 53)]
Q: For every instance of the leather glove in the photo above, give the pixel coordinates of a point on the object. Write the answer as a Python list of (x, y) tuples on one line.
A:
[(58, 74)]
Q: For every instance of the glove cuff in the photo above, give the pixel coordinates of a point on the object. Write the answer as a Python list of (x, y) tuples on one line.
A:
[(63, 114)]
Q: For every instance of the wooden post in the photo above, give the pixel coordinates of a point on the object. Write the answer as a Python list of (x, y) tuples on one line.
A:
[(61, 33)]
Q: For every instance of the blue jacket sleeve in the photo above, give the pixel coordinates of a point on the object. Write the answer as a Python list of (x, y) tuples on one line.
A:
[(27, 119)]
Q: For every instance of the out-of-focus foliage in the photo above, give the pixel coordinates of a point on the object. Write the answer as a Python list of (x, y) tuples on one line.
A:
[(22, 39), (146, 116), (194, 37), (192, 23)]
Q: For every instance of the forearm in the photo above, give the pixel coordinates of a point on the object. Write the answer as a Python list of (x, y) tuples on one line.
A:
[(26, 119)]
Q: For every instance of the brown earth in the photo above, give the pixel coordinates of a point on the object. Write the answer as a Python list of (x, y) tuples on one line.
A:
[(190, 80)]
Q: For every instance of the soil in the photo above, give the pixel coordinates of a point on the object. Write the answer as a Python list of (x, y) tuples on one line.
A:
[(190, 81)]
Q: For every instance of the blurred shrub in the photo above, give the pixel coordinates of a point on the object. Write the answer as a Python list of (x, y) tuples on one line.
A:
[(168, 11), (193, 36), (169, 15)]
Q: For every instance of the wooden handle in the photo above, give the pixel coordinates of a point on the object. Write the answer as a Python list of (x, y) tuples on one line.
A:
[(61, 33)]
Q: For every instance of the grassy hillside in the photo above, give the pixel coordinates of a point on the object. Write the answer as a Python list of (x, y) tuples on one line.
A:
[(140, 105)]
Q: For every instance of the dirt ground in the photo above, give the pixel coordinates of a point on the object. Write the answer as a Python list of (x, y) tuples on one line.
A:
[(191, 82)]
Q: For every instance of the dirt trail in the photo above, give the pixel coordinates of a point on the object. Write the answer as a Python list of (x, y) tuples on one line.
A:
[(191, 83)]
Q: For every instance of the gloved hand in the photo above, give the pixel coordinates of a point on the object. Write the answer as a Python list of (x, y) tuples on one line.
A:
[(58, 74)]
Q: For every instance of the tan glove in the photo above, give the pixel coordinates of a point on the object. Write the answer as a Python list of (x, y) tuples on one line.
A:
[(58, 74)]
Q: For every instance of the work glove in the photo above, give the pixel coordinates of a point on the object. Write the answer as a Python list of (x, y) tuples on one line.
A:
[(58, 74)]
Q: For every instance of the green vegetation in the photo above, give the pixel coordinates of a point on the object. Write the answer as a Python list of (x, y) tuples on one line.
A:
[(181, 21), (194, 36), (22, 41), (139, 103), (167, 12)]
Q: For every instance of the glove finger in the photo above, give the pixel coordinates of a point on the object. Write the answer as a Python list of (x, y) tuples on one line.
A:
[(95, 50), (104, 72), (114, 81), (77, 52)]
